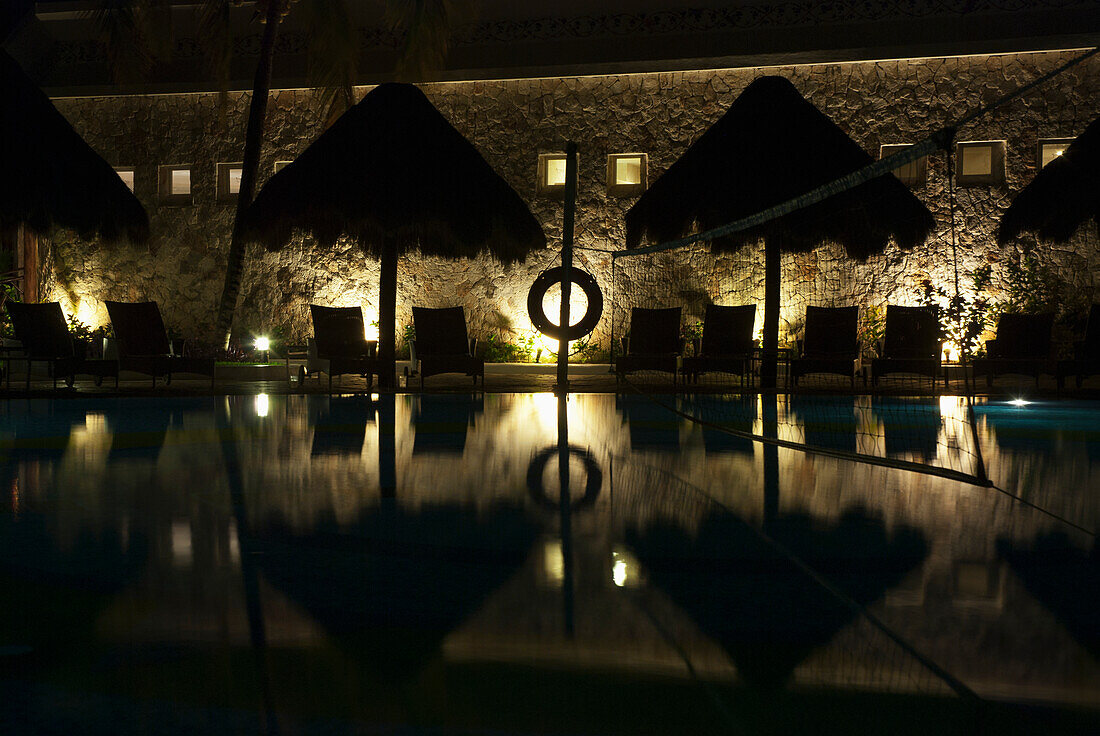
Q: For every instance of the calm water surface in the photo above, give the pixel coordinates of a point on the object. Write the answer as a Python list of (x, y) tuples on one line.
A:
[(300, 564)]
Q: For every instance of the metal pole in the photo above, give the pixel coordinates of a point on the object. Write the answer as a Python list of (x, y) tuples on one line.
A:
[(567, 259)]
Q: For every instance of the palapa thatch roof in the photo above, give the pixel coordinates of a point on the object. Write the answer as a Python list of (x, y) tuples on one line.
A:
[(771, 146), (1062, 196), (49, 176), (392, 167)]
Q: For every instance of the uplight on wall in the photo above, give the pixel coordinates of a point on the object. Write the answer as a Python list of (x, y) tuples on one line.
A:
[(980, 163), (175, 185), (551, 174), (914, 173), (229, 182), (1051, 148), (627, 173), (126, 173)]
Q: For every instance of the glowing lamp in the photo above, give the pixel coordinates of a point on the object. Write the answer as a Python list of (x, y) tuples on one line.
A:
[(1019, 402), (263, 344)]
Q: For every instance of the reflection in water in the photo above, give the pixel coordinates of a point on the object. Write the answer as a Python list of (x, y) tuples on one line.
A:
[(1065, 579), (763, 609), (360, 546), (737, 413), (910, 426), (652, 428), (391, 585), (341, 424), (441, 421), (827, 422)]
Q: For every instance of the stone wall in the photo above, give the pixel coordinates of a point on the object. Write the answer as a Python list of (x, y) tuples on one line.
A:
[(511, 122)]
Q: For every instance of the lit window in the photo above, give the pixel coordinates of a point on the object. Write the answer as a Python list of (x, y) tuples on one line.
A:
[(181, 182), (914, 173), (1052, 148), (551, 173), (127, 176), (626, 173), (229, 182), (175, 184), (980, 162), (280, 165)]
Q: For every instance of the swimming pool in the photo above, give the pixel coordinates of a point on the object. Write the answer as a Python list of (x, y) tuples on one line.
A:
[(319, 563)]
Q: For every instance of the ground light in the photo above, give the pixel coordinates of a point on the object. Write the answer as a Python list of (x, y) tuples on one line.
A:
[(263, 344), (1017, 402)]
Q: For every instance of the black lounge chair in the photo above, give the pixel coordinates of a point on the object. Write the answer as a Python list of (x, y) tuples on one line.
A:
[(144, 347), (727, 344), (654, 342), (45, 338), (831, 343), (912, 344), (339, 345), (1023, 346), (442, 345), (1086, 353)]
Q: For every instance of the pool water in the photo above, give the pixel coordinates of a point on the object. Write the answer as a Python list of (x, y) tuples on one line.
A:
[(310, 564)]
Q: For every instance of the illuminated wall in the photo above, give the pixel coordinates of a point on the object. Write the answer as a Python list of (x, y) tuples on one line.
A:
[(511, 122)]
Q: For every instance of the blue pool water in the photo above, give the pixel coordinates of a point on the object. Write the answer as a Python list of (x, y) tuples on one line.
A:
[(301, 564)]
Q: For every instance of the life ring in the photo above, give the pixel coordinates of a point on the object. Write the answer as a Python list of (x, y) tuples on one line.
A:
[(592, 484), (587, 284)]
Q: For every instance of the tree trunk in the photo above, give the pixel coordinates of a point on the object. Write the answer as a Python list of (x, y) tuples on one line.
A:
[(772, 276), (387, 313), (253, 137)]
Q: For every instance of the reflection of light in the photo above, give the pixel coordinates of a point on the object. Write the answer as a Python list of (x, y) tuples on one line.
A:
[(1019, 402), (234, 544), (624, 568), (181, 542), (95, 422), (261, 405), (553, 562), (263, 344)]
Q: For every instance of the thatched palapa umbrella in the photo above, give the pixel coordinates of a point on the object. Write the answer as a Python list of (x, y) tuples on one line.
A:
[(1062, 196), (396, 176), (49, 176), (771, 146)]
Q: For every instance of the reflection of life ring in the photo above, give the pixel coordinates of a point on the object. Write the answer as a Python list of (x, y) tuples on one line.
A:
[(587, 284), (593, 477)]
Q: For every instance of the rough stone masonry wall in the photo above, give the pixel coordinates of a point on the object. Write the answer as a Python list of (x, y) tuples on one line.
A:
[(511, 122)]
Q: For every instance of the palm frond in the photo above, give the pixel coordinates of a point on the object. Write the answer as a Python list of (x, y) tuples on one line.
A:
[(217, 44), (121, 27), (427, 32), (332, 53)]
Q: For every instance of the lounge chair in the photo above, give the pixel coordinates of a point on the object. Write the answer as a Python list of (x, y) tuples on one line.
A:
[(727, 344), (912, 344), (654, 343), (442, 345), (1086, 353), (831, 343), (45, 338), (1022, 346), (339, 345), (144, 347)]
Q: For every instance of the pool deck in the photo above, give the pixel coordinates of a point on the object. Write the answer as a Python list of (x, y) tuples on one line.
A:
[(281, 378)]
